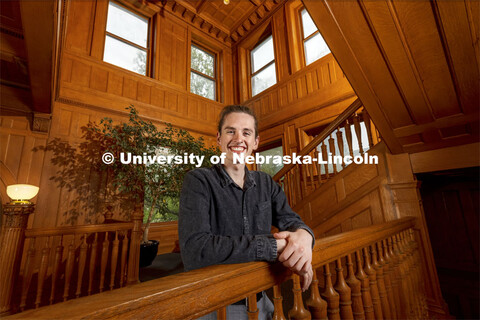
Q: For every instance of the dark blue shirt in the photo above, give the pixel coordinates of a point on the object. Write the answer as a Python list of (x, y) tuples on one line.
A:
[(219, 222)]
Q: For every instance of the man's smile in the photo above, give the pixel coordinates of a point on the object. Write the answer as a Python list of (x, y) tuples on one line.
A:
[(237, 149)]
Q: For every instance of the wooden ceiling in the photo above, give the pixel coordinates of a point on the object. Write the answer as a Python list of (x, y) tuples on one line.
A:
[(27, 37), (226, 22), (414, 65)]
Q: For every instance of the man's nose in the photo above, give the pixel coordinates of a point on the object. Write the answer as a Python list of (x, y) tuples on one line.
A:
[(237, 137)]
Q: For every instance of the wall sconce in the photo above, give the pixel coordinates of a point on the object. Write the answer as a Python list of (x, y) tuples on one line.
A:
[(226, 1)]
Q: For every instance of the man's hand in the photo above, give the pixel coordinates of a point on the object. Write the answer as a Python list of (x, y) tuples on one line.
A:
[(297, 255)]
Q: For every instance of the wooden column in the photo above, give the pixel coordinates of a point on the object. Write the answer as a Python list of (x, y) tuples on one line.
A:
[(136, 238), (11, 248)]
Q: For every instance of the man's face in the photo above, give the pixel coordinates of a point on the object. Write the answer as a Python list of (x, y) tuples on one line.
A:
[(237, 135)]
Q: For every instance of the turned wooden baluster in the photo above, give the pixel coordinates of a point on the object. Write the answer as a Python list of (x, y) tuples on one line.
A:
[(356, 287), (394, 277), (42, 272), (277, 303), (331, 144), (404, 307), (319, 166), (27, 279), (384, 258), (69, 268), (345, 293), (103, 263), (358, 132), (93, 261), (304, 179), (325, 157), (299, 190), (331, 296), (81, 265), (113, 261), (368, 126), (348, 134), (56, 268), (372, 277), (380, 283), (315, 304), (340, 144), (252, 310), (365, 283), (222, 313), (298, 311), (123, 264)]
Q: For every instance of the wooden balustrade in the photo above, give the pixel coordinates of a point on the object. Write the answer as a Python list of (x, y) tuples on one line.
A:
[(343, 137), (199, 292), (68, 262)]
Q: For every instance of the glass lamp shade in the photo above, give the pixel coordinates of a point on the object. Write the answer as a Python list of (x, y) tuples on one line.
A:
[(22, 192)]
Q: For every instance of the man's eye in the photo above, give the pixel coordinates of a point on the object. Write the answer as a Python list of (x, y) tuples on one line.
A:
[(229, 131), (247, 133)]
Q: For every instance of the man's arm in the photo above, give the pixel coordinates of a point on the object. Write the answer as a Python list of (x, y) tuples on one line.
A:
[(199, 247), (297, 252)]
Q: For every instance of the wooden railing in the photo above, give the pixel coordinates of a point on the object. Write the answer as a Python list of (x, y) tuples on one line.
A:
[(68, 262), (343, 137), (368, 273)]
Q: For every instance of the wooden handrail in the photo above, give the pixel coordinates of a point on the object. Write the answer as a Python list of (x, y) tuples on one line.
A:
[(347, 113), (64, 230), (198, 292)]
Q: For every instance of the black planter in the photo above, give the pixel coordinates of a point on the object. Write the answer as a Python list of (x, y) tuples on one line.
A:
[(148, 252)]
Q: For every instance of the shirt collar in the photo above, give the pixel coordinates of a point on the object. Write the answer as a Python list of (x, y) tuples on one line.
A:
[(226, 180)]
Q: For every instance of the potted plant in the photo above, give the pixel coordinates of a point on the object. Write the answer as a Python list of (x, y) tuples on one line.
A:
[(154, 183)]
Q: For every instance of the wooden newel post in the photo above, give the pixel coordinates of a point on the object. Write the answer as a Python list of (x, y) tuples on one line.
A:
[(12, 239), (135, 240)]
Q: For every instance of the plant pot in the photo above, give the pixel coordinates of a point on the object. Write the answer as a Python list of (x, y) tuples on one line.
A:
[(148, 252)]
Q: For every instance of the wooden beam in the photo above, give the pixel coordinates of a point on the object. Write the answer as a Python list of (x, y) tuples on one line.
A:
[(38, 19)]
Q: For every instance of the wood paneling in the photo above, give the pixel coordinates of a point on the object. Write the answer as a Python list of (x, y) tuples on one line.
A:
[(318, 86), (414, 65), (106, 87), (18, 164)]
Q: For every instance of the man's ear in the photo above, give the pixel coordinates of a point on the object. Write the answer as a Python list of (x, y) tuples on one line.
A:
[(257, 141), (218, 138)]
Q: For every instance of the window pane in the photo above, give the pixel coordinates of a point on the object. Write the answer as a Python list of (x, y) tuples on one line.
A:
[(271, 168), (264, 79), (125, 24), (203, 62), (125, 55), (202, 86), (262, 54), (309, 26), (315, 48)]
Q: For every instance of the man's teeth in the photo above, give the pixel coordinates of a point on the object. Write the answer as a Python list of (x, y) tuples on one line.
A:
[(237, 148)]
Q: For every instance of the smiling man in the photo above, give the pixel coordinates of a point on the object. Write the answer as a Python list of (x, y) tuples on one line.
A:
[(226, 213)]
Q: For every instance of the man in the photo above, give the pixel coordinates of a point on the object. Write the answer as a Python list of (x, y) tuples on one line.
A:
[(226, 212)]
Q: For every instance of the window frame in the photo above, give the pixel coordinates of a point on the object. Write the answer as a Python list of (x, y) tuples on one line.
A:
[(215, 69), (300, 21), (250, 63), (150, 37)]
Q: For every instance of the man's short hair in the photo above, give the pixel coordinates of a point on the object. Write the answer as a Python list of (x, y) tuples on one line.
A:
[(236, 108)]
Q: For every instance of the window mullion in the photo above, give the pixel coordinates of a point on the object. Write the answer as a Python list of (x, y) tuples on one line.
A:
[(263, 68)]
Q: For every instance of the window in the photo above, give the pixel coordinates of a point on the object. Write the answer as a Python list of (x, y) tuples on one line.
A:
[(262, 59), (202, 73), (313, 44), (271, 168), (126, 42)]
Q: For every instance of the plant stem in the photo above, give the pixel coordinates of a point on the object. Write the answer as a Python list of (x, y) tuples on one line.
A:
[(149, 220)]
